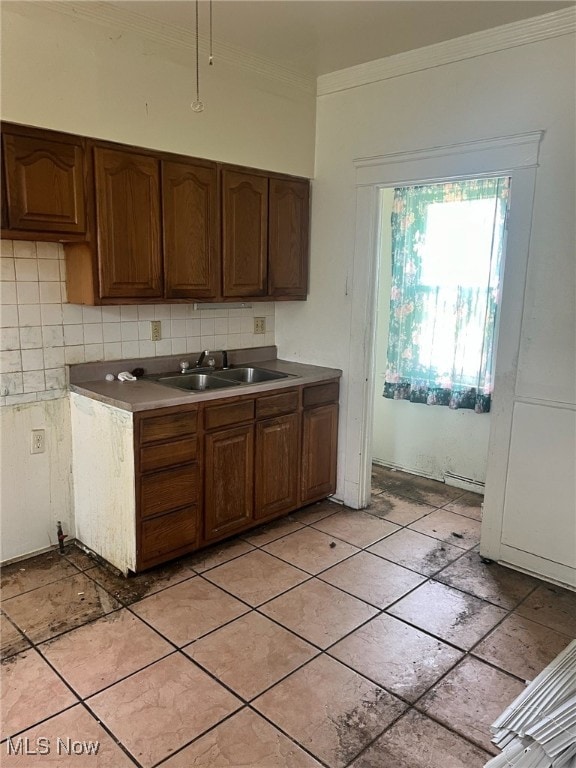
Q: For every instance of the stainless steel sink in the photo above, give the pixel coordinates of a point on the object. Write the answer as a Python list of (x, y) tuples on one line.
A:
[(197, 382), (249, 375)]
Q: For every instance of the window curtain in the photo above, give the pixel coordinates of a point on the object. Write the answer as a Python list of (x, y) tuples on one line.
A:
[(447, 243)]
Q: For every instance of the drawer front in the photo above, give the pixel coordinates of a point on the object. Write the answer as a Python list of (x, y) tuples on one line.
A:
[(154, 457), (319, 394), (225, 415), (169, 533), (276, 405), (164, 491), (167, 427)]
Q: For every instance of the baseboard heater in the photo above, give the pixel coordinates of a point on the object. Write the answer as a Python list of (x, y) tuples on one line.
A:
[(461, 481)]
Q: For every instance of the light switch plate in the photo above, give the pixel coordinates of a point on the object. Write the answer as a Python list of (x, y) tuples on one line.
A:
[(259, 325), (155, 330)]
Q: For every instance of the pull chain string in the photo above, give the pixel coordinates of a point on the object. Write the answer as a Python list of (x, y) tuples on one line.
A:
[(197, 106), (210, 57)]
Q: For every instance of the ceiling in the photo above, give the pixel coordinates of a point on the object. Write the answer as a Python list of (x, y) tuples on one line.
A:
[(314, 37)]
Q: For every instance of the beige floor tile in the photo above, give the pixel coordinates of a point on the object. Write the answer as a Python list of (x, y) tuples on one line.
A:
[(372, 579), (59, 606), (311, 550), (256, 577), (414, 487), (188, 610), (162, 707), (454, 529), (245, 740), (521, 647), (470, 698), (267, 533), (12, 641), (319, 612), (219, 554), (104, 651), (416, 551), (33, 573), (449, 614), (356, 527), (396, 656), (338, 712), (30, 692), (73, 727), (130, 590), (250, 654), (397, 509), (489, 581), (552, 606), (415, 741), (469, 505)]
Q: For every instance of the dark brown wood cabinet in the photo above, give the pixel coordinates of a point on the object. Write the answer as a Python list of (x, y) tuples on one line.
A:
[(277, 466), (128, 224), (244, 234), (168, 484), (319, 441), (190, 230), (44, 180), (288, 216)]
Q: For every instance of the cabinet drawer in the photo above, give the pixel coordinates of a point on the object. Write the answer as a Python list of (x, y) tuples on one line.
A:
[(320, 394), (225, 415), (169, 533), (276, 405), (155, 428), (153, 457), (164, 491)]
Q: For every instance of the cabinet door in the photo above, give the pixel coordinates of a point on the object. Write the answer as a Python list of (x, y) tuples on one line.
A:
[(276, 470), (319, 446), (288, 238), (229, 480), (45, 184), (190, 227), (128, 219), (245, 234)]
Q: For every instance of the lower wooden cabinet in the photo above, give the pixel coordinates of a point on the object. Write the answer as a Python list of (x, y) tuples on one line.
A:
[(228, 481), (199, 473)]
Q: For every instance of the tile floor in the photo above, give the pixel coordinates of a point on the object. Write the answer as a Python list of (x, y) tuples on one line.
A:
[(374, 639)]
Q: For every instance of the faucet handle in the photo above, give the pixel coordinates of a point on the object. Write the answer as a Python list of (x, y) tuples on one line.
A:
[(184, 365)]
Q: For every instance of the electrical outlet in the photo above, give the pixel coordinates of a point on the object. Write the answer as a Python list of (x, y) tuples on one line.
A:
[(155, 330), (38, 441), (259, 325)]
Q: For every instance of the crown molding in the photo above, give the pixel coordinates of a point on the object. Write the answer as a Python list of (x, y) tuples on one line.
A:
[(124, 20), (458, 49)]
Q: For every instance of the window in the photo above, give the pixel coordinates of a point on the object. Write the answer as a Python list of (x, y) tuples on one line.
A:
[(447, 245)]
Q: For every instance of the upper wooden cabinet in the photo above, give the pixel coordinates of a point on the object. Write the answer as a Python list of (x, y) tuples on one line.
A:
[(288, 215), (44, 182), (190, 230), (128, 224), (244, 234)]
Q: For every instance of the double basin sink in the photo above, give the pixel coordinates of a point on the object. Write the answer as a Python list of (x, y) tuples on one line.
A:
[(207, 378)]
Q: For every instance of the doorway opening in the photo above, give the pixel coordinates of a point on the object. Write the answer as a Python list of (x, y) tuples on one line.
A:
[(440, 255)]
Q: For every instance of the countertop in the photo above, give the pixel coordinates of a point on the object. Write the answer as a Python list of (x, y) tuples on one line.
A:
[(144, 394)]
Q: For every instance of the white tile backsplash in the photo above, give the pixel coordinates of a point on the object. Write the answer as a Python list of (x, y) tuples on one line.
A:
[(41, 333)]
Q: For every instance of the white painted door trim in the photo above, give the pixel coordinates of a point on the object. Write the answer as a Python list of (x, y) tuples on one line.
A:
[(516, 156)]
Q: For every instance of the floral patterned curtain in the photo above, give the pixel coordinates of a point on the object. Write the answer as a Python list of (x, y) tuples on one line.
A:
[(447, 242)]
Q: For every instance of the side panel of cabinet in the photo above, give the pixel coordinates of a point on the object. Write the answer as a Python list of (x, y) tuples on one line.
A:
[(44, 184), (229, 480), (245, 234), (319, 446), (289, 203), (190, 221), (128, 220), (276, 470)]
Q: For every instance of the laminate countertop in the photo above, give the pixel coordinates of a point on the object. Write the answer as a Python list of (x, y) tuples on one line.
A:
[(146, 394)]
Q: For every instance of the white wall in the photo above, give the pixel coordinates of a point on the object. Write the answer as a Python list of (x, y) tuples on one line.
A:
[(425, 440), (68, 74), (524, 88)]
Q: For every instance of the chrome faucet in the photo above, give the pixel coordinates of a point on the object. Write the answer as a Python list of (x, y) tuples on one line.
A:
[(201, 358)]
